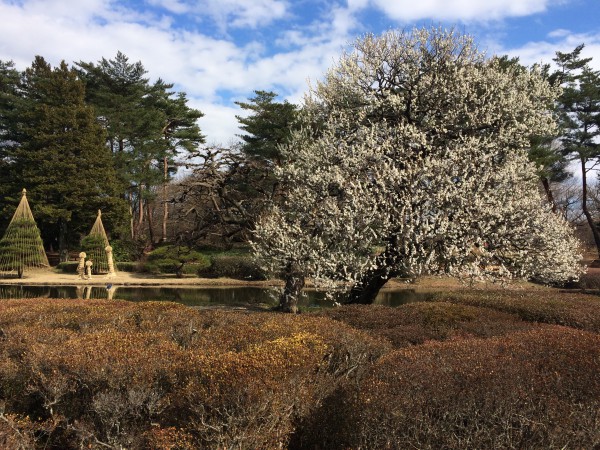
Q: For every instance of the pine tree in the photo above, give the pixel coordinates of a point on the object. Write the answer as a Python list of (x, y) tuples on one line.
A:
[(62, 156), (146, 124), (9, 100), (268, 126), (579, 107), (182, 133)]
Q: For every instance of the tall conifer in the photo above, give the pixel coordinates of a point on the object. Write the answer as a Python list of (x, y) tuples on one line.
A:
[(62, 155)]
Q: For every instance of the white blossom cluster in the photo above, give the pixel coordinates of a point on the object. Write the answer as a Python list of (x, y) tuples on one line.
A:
[(414, 162)]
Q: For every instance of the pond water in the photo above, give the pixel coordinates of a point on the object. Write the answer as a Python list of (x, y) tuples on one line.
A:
[(194, 296)]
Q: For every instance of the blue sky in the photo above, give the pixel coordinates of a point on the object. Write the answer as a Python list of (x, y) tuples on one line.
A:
[(220, 51)]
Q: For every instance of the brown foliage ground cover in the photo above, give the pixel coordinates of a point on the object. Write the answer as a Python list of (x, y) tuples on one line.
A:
[(158, 375), (530, 389), (571, 309), (416, 323), (466, 370)]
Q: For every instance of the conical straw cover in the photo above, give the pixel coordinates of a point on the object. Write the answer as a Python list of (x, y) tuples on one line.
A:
[(22, 246), (97, 252)]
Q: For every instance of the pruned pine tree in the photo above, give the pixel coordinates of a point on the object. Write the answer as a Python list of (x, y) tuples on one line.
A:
[(21, 247), (147, 125), (579, 108), (420, 167), (230, 187)]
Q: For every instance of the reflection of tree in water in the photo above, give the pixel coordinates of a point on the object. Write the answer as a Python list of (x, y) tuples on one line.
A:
[(237, 296), (17, 291), (198, 296)]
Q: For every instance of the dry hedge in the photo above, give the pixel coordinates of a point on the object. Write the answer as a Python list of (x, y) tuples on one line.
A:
[(531, 389), (445, 374), (416, 323), (77, 373), (546, 306)]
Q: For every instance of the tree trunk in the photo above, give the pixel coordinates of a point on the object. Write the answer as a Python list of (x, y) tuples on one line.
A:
[(63, 251), (549, 196), (584, 207), (149, 219), (131, 220), (140, 220), (364, 292), (165, 204), (294, 282), (179, 271)]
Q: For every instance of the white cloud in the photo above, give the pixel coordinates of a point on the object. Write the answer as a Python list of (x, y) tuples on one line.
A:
[(221, 121), (545, 51), (204, 67), (229, 13), (454, 10), (559, 33), (174, 6), (212, 70)]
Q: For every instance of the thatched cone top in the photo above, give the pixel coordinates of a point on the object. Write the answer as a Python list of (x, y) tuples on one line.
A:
[(22, 247), (23, 210), (98, 228)]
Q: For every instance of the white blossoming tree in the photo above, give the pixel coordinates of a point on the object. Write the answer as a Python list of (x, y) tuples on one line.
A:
[(418, 166)]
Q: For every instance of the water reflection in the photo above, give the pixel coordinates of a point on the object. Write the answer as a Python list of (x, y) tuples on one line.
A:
[(194, 296)]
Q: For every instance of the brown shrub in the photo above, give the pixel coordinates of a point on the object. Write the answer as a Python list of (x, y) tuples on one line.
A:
[(533, 389), (546, 306), (154, 375), (16, 432), (415, 323), (169, 438)]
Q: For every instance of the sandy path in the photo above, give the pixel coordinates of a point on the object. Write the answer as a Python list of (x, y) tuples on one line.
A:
[(52, 278)]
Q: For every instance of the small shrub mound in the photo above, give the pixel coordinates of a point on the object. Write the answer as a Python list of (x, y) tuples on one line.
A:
[(175, 259), (241, 267), (99, 374), (415, 323), (68, 266), (588, 281), (532, 389), (128, 266)]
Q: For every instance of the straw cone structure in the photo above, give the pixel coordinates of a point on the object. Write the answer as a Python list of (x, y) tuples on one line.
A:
[(21, 247), (94, 245)]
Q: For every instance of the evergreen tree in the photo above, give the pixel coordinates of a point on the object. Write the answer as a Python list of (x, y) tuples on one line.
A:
[(181, 133), (268, 126), (146, 124), (579, 107), (62, 157), (9, 100)]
